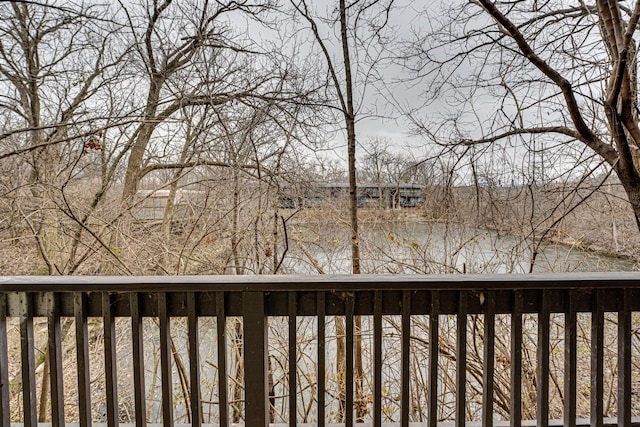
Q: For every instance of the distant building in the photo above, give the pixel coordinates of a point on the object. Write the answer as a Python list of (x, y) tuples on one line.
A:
[(151, 204), (384, 195)]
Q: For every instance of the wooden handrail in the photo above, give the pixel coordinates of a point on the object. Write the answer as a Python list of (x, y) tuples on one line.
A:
[(255, 298)]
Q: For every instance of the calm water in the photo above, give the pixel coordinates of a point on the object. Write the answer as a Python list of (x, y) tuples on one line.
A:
[(420, 247)]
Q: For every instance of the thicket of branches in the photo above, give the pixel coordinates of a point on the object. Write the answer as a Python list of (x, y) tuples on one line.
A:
[(525, 112), (234, 103)]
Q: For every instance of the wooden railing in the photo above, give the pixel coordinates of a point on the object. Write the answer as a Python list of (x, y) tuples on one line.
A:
[(497, 306)]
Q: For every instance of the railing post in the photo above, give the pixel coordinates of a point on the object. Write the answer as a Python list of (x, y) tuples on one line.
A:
[(542, 370), (293, 359), (221, 326), (570, 359), (321, 358), (515, 410), (110, 360), (489, 359), (5, 410), (349, 342), (55, 360), (165, 359), (194, 359), (624, 359), (28, 360), (255, 359), (137, 331), (461, 359), (82, 351), (432, 380), (405, 377), (597, 359)]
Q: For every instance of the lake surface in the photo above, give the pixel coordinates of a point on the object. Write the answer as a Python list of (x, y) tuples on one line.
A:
[(432, 248)]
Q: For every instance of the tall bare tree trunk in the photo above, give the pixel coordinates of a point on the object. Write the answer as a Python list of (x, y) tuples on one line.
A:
[(167, 217), (235, 230), (350, 122)]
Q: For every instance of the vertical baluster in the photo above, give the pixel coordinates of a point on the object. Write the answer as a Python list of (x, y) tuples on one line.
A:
[(406, 334), (570, 360), (597, 356), (542, 374), (516, 361), (137, 336), (377, 359), (624, 359), (293, 358), (461, 359), (28, 360), (349, 306), (434, 326), (82, 352), (165, 360), (221, 325), (489, 358), (111, 377), (255, 352), (194, 359), (54, 345), (321, 359), (5, 411)]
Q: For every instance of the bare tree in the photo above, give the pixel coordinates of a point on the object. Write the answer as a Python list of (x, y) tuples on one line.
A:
[(56, 64), (357, 24), (544, 76), (187, 55)]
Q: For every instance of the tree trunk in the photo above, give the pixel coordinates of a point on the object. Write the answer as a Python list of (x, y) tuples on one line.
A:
[(143, 136), (350, 122), (238, 265), (632, 188), (167, 217), (49, 247)]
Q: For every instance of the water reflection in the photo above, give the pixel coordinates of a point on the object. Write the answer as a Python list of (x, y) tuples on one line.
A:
[(432, 248)]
